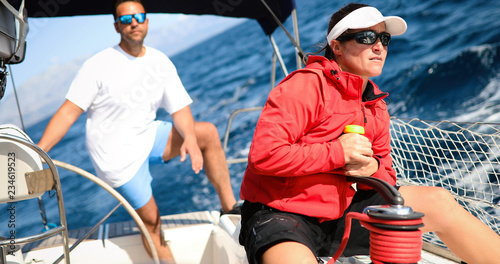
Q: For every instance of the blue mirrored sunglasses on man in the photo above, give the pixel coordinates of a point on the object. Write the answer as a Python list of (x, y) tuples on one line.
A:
[(127, 19)]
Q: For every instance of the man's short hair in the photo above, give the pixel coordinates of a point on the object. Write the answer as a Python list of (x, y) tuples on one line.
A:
[(116, 3)]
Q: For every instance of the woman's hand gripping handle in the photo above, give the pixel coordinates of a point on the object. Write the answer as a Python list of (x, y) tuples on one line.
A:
[(358, 153)]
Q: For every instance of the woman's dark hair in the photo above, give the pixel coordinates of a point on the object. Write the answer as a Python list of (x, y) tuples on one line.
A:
[(116, 3), (336, 17)]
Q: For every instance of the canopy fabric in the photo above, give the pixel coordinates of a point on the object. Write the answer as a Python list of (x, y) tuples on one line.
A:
[(253, 9)]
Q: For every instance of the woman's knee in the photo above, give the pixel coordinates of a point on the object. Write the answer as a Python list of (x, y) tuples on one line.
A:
[(428, 199), (437, 204), (438, 195), (426, 195)]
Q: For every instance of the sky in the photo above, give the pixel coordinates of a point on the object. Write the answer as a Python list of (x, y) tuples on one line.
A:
[(56, 48), (58, 40)]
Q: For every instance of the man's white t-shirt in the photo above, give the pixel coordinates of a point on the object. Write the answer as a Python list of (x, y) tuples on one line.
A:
[(121, 95)]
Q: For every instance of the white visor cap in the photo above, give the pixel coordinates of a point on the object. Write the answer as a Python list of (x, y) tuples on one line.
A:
[(366, 17)]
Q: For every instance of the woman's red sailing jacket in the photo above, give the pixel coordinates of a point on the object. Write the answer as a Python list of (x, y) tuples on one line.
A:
[(295, 160)]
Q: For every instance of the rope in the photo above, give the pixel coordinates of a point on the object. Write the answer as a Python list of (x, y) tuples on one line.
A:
[(387, 246), (17, 99)]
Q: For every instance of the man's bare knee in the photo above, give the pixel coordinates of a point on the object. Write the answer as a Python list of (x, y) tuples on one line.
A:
[(206, 128), (150, 215), (153, 223), (206, 133)]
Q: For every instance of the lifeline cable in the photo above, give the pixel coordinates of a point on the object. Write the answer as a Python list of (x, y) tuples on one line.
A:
[(391, 241)]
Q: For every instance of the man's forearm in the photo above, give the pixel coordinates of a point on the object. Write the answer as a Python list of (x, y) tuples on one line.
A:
[(59, 125)]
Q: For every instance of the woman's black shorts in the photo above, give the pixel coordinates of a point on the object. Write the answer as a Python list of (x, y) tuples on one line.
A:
[(263, 227)]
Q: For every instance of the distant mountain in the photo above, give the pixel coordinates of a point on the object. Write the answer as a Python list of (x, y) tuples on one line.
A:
[(41, 95), (189, 31)]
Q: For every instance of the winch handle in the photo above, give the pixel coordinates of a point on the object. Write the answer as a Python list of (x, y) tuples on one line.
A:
[(390, 194)]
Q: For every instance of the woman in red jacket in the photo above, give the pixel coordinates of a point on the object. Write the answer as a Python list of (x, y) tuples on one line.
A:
[(295, 191)]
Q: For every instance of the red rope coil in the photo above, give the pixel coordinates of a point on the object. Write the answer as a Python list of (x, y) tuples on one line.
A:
[(386, 246)]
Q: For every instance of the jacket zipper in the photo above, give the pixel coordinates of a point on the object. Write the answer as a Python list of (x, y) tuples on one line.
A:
[(364, 113)]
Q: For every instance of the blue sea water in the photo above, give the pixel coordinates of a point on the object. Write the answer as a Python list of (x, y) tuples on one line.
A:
[(446, 66)]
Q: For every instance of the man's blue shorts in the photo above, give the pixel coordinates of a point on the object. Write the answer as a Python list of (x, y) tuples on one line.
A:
[(138, 190)]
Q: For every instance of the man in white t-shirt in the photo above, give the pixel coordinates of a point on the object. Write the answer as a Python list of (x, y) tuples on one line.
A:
[(121, 88)]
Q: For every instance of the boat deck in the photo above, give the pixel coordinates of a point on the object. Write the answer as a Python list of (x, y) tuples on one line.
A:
[(121, 229), (192, 238), (127, 228)]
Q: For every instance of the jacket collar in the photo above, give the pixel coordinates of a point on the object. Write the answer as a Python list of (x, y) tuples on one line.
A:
[(350, 84)]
